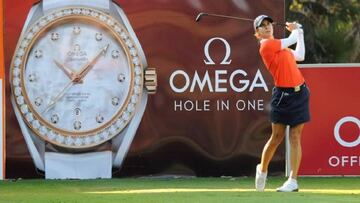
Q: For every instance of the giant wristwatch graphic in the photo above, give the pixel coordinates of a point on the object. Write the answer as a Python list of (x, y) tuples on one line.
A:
[(79, 78)]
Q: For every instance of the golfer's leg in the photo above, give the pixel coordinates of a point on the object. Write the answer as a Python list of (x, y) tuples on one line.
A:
[(277, 135), (295, 147)]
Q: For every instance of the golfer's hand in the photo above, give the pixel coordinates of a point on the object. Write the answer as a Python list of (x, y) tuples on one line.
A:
[(292, 26)]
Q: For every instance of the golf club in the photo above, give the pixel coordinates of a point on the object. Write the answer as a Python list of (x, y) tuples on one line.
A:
[(200, 15)]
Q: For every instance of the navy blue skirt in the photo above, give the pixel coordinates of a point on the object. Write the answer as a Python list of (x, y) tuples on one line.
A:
[(290, 106)]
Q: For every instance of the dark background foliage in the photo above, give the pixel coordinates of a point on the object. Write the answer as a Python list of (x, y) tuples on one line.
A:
[(332, 29)]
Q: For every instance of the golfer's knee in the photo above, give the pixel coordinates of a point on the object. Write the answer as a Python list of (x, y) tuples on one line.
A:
[(295, 138), (276, 138)]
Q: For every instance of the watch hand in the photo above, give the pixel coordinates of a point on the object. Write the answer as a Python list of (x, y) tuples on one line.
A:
[(70, 73), (87, 67), (61, 94), (76, 78)]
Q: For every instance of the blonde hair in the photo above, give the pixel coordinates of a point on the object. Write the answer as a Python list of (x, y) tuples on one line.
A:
[(256, 34)]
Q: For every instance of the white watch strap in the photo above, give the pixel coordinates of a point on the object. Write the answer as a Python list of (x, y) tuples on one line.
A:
[(122, 142), (55, 4), (89, 165), (35, 145)]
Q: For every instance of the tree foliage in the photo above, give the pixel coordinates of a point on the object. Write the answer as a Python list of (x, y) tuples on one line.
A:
[(332, 29)]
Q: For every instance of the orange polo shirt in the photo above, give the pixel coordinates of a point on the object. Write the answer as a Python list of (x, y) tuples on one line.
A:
[(281, 64)]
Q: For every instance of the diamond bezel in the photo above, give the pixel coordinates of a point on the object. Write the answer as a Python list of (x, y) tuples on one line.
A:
[(44, 129)]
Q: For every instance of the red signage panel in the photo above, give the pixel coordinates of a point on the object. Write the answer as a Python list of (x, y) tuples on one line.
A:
[(331, 140)]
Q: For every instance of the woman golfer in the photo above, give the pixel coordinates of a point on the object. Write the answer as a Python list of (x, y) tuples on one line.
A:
[(290, 96)]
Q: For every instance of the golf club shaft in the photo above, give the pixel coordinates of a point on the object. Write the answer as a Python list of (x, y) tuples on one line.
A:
[(225, 16), (232, 17)]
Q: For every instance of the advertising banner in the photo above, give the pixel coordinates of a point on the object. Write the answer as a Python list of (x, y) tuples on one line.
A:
[(210, 114), (331, 141)]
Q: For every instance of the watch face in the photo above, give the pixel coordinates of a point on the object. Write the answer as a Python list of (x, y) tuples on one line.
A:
[(76, 77)]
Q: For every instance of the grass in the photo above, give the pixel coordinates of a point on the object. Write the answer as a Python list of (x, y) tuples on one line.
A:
[(219, 190)]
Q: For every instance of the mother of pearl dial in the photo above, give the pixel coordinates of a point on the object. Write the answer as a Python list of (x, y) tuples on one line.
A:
[(76, 77)]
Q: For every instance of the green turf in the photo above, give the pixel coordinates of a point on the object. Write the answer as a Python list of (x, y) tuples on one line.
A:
[(219, 190)]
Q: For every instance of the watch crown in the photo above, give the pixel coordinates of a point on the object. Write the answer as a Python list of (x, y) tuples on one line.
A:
[(150, 80)]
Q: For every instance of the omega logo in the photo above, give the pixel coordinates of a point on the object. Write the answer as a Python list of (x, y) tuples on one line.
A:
[(337, 131), (218, 77), (219, 80), (209, 60), (77, 53)]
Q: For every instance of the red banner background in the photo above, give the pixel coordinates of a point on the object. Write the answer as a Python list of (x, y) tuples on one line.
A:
[(167, 141), (334, 95)]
